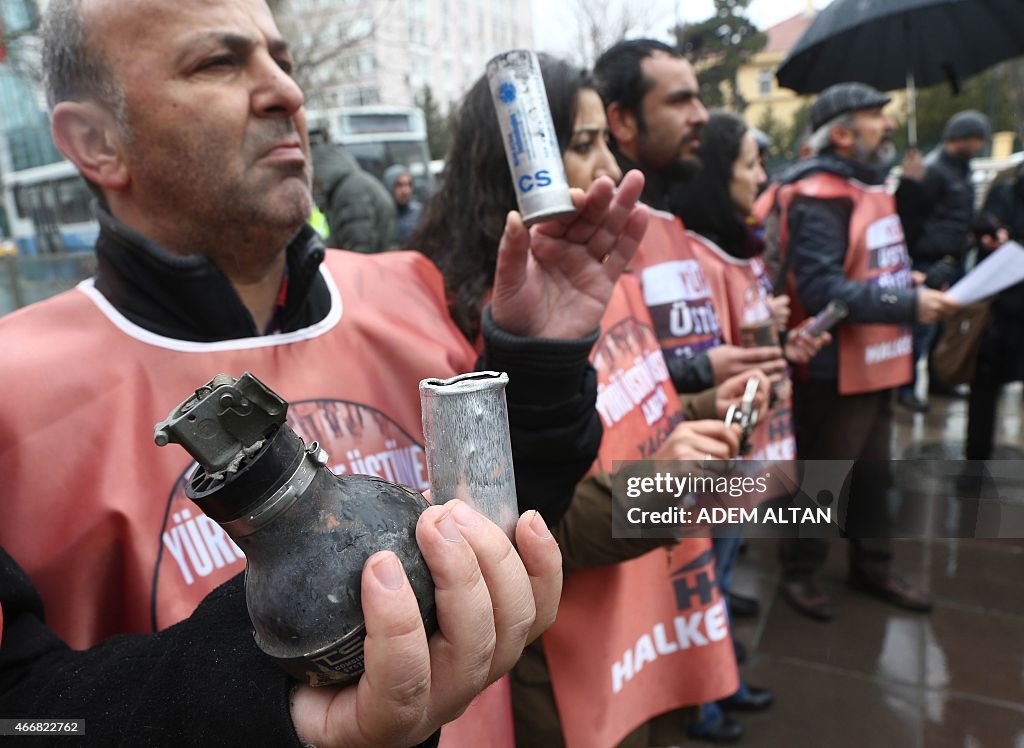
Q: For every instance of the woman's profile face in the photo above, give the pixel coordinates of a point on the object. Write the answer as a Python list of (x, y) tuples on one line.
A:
[(747, 175), (588, 156)]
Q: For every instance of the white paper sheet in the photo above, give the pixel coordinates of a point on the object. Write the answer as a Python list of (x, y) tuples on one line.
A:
[(1002, 269)]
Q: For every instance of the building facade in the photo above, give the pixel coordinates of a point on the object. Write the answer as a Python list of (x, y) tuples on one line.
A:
[(24, 123), (756, 79), (360, 52)]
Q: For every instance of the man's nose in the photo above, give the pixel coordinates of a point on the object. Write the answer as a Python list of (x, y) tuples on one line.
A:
[(700, 113), (275, 93)]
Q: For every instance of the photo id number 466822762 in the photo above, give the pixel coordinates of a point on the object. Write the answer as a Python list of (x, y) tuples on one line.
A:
[(11, 727)]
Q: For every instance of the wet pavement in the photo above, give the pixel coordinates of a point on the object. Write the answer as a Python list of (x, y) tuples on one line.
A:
[(877, 676)]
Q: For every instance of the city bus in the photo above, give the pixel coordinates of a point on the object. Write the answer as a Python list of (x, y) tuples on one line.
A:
[(379, 136), (48, 210)]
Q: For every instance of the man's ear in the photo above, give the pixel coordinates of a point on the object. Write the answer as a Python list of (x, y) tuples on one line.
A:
[(843, 137), (87, 134), (622, 123)]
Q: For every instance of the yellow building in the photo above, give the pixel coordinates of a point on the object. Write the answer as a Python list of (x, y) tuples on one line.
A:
[(756, 79)]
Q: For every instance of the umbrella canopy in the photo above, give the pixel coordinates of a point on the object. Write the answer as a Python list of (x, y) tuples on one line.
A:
[(886, 42)]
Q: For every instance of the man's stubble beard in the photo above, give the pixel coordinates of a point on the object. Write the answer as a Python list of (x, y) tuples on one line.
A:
[(881, 157)]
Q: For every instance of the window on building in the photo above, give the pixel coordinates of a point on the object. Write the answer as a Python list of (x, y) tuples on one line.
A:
[(362, 96), (765, 78)]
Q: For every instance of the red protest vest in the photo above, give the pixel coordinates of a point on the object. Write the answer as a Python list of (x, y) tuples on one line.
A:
[(872, 357), (96, 513), (675, 289), (729, 277), (641, 638)]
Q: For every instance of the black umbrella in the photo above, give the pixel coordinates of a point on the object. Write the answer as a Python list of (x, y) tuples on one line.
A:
[(894, 43)]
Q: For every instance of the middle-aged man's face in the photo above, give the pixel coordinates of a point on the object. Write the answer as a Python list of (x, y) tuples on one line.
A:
[(673, 115), (217, 130), (403, 190), (967, 148), (873, 130)]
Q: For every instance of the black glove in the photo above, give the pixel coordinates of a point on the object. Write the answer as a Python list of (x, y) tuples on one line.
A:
[(942, 274)]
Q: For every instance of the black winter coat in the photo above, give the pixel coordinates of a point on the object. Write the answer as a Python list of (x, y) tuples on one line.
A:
[(818, 241), (1003, 345), (937, 212)]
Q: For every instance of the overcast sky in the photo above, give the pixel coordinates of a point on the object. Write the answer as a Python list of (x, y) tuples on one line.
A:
[(554, 21)]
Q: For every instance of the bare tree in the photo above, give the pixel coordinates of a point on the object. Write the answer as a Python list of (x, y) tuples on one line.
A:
[(599, 26), (318, 40), (20, 48), (1013, 72)]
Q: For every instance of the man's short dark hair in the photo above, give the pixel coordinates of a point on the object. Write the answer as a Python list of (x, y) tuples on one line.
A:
[(620, 75), (72, 69)]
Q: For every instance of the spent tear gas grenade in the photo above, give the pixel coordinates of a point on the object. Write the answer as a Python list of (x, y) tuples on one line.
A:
[(534, 158), (306, 532)]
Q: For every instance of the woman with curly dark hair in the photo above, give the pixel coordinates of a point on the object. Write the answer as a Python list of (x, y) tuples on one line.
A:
[(463, 221), (459, 231)]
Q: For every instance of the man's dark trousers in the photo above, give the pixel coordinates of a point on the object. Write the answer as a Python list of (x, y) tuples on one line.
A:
[(830, 426)]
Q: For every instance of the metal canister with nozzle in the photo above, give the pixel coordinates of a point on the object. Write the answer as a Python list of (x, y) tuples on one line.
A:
[(306, 533)]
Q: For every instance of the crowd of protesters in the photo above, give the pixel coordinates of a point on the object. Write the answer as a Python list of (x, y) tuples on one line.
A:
[(186, 123)]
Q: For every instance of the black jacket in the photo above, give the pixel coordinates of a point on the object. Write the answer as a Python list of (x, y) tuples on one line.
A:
[(818, 241), (937, 212), (1003, 345), (204, 681), (359, 210), (200, 682)]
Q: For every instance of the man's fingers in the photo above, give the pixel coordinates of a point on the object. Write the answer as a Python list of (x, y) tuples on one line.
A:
[(462, 649), (716, 433), (543, 561), (759, 354), (706, 445), (394, 694), (508, 584)]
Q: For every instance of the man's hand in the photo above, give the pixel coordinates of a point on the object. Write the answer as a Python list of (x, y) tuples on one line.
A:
[(913, 165), (730, 392), (491, 601), (934, 305), (729, 360), (990, 242), (780, 310), (700, 440), (555, 280), (801, 347)]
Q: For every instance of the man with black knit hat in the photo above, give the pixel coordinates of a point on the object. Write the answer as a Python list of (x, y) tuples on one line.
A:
[(842, 239), (937, 213)]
